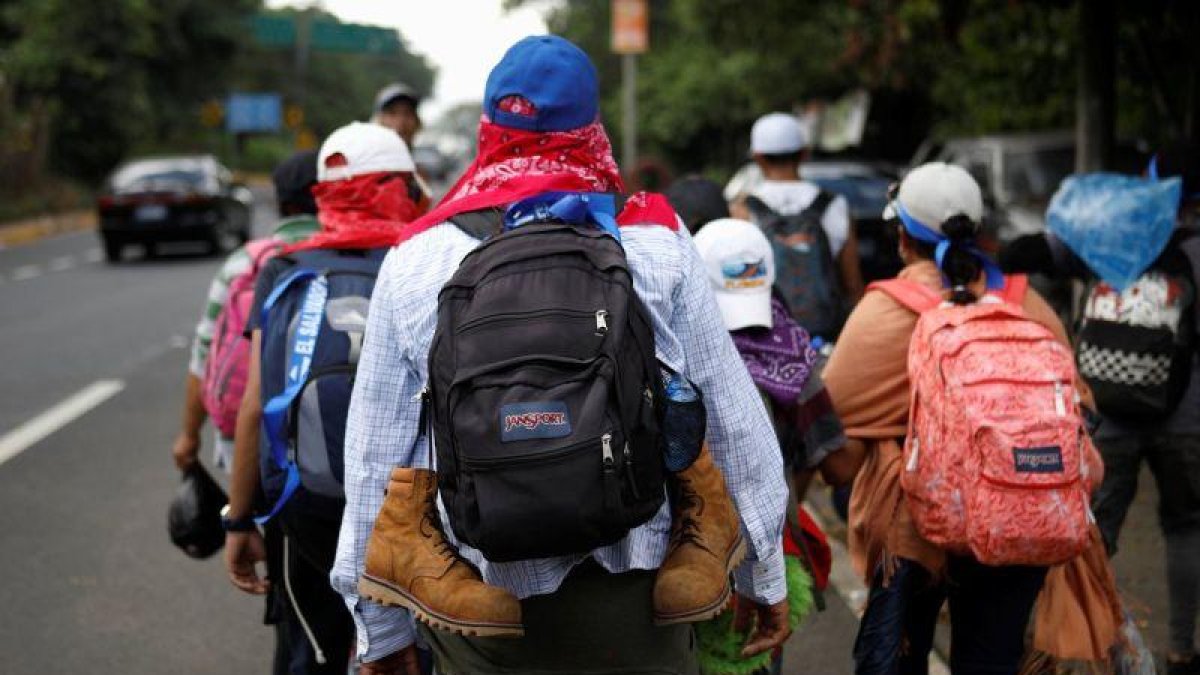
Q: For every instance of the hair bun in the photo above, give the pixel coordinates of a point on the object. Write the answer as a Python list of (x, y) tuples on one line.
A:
[(960, 228)]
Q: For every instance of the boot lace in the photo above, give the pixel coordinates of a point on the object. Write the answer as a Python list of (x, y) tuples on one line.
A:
[(687, 526), (431, 528)]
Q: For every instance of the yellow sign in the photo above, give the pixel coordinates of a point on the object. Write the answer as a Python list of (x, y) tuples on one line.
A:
[(212, 114), (293, 116), (630, 26), (306, 140)]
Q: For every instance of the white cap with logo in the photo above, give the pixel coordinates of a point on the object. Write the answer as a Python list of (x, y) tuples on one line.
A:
[(364, 148), (741, 269), (778, 134), (935, 192)]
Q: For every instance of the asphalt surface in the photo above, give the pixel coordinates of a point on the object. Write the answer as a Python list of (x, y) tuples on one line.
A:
[(89, 582)]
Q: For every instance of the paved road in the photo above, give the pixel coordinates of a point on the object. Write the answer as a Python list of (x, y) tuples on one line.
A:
[(88, 580)]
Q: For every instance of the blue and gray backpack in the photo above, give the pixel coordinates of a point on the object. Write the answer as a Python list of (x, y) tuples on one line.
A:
[(312, 334)]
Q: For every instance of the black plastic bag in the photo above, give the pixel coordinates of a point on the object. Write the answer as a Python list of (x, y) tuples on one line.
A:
[(194, 517)]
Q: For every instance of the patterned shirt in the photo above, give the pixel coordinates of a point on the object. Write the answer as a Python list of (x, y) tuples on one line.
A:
[(690, 338), (289, 231)]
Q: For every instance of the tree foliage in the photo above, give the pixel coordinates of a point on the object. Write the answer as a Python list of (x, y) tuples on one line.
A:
[(934, 67)]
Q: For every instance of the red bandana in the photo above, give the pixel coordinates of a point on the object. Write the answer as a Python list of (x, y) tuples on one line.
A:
[(513, 164), (362, 212)]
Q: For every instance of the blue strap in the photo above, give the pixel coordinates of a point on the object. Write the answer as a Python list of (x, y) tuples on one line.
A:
[(577, 208), (300, 352), (919, 231), (1152, 169)]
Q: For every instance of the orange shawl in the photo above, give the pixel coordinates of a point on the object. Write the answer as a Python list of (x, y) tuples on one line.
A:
[(868, 381)]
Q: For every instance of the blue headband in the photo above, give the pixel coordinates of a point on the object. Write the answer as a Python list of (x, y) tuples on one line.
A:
[(919, 231)]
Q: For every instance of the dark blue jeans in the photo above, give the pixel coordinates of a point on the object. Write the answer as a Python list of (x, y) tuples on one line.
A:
[(989, 609)]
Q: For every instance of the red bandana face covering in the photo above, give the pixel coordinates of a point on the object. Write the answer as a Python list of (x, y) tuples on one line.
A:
[(513, 164), (362, 212)]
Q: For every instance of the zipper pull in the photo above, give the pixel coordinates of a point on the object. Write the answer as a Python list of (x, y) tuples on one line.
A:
[(1060, 405), (912, 458), (606, 451), (601, 321)]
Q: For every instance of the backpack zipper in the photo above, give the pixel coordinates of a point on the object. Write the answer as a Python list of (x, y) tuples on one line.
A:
[(1060, 406), (912, 458), (521, 316), (606, 454), (601, 321)]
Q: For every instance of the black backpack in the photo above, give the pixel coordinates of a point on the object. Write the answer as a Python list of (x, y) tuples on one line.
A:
[(1136, 347), (806, 275), (545, 394)]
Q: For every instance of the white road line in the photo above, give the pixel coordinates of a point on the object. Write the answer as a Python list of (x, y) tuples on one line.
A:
[(26, 272), (61, 263), (93, 255), (58, 416)]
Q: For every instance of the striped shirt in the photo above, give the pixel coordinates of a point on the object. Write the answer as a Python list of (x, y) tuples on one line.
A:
[(690, 338), (289, 231)]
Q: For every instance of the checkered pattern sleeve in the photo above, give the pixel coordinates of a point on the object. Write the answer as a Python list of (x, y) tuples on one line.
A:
[(741, 435), (381, 433)]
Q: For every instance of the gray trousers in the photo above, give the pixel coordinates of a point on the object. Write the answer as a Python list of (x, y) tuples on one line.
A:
[(596, 623)]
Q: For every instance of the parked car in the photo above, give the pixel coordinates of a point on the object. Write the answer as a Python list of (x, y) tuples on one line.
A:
[(864, 184), (166, 199), (1018, 174)]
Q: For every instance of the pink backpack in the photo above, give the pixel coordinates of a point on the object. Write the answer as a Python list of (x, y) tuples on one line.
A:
[(997, 462), (229, 356)]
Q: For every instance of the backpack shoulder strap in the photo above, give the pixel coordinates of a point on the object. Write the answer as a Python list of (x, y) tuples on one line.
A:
[(261, 249), (917, 297), (820, 203), (1015, 287), (762, 214), (481, 224)]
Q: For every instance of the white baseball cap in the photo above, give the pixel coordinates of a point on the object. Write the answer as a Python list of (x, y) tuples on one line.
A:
[(935, 192), (365, 148), (778, 134), (741, 269)]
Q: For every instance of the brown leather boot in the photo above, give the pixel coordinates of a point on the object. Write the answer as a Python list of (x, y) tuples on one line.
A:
[(706, 544), (410, 564)]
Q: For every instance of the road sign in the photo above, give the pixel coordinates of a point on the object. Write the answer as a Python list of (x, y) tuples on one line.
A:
[(630, 26), (350, 37), (253, 112)]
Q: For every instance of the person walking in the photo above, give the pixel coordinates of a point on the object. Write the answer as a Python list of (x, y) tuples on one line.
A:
[(816, 247), (618, 606), (938, 209), (305, 331), (1161, 301), (293, 180)]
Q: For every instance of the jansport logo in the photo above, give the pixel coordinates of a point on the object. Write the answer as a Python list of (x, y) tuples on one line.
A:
[(535, 419), (1047, 459)]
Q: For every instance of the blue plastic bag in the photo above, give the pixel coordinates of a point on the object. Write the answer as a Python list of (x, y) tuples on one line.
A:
[(1116, 224)]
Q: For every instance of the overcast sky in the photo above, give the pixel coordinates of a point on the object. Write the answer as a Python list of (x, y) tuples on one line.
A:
[(463, 38)]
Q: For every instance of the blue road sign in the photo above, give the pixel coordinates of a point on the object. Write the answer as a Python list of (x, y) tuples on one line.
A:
[(253, 112)]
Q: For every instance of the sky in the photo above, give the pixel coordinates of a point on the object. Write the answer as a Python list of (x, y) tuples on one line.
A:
[(463, 38)]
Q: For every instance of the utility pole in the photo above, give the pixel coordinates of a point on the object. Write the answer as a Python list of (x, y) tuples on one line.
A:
[(629, 122), (630, 37), (1095, 110)]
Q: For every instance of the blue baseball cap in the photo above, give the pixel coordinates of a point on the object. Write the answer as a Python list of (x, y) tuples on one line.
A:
[(551, 74)]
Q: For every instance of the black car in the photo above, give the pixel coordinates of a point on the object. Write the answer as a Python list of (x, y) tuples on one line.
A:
[(168, 199)]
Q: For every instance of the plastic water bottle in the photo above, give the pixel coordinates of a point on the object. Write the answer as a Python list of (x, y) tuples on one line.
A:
[(678, 389)]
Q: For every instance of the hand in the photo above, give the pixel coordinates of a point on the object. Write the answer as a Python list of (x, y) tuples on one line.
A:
[(771, 628), (243, 551), (403, 662), (186, 450)]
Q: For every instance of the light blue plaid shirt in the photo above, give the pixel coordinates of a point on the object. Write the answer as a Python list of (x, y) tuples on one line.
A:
[(690, 338)]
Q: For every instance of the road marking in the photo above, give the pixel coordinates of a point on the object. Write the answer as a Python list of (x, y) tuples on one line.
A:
[(58, 416), (62, 263), (26, 272)]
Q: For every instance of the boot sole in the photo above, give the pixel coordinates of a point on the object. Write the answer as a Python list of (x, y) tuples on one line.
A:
[(386, 594), (734, 558)]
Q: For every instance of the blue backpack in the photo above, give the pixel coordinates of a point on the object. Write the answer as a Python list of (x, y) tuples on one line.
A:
[(312, 333)]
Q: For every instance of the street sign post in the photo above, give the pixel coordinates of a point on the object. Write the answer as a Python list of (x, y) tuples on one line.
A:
[(630, 37)]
